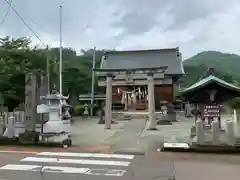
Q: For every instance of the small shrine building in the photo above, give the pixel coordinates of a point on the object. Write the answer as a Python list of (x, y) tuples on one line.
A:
[(131, 88), (208, 94)]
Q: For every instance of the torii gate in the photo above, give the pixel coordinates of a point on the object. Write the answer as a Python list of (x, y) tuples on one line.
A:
[(110, 74)]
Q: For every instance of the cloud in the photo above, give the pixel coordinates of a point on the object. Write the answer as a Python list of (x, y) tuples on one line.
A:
[(130, 24)]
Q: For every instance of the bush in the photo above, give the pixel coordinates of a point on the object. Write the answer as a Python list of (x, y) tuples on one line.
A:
[(79, 109), (234, 103)]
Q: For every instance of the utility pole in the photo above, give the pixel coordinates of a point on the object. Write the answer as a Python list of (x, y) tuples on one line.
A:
[(48, 71), (93, 80), (60, 59), (60, 53)]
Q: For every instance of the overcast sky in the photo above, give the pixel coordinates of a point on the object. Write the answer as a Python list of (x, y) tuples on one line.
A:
[(193, 25)]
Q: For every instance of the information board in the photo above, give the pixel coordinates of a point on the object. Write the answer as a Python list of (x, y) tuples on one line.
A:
[(211, 111)]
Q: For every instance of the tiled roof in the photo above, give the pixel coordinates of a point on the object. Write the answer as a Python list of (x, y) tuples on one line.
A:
[(208, 80), (144, 59)]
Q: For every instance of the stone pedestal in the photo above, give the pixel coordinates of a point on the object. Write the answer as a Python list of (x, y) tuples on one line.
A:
[(108, 108), (151, 103), (199, 132), (188, 110), (171, 114), (215, 132)]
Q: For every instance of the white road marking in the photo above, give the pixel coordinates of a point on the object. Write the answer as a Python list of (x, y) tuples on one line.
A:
[(176, 145), (87, 155), (20, 167), (66, 170), (107, 172), (76, 161)]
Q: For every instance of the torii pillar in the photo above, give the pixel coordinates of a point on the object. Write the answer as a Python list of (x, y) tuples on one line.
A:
[(151, 103), (108, 108)]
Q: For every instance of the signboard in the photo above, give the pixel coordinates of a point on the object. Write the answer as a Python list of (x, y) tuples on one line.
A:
[(211, 111), (129, 78), (42, 108)]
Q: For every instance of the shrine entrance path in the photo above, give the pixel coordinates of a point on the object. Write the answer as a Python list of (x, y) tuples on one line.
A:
[(87, 132), (129, 136)]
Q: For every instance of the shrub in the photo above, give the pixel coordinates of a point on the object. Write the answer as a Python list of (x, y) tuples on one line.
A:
[(78, 110), (234, 103)]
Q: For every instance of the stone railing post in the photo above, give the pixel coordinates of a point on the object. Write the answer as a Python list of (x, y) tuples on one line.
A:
[(199, 132), (230, 132), (215, 132)]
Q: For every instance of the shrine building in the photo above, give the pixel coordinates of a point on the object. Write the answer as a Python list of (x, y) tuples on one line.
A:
[(131, 88)]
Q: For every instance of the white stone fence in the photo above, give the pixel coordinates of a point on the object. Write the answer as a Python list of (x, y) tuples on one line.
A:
[(215, 138), (19, 117), (12, 124)]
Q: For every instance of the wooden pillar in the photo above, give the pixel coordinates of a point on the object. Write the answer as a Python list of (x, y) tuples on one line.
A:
[(108, 108), (151, 103)]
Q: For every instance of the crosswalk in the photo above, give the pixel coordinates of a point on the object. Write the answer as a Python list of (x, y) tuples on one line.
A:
[(73, 163)]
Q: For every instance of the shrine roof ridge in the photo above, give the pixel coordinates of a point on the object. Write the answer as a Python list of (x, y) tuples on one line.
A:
[(207, 80), (131, 69), (176, 49), (143, 60)]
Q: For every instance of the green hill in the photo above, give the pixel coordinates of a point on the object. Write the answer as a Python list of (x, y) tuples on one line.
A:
[(226, 65)]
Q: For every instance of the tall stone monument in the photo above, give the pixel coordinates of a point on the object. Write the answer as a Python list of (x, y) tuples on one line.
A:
[(31, 92), (30, 102)]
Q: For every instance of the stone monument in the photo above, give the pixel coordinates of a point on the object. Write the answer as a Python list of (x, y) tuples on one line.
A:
[(31, 88), (30, 102)]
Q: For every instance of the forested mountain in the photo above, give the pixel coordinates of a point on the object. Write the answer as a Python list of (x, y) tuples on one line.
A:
[(18, 57), (225, 65)]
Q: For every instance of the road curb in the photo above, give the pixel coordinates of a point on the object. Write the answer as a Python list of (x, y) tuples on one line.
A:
[(80, 149)]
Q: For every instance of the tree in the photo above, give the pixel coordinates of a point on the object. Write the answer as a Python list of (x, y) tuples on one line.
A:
[(17, 59)]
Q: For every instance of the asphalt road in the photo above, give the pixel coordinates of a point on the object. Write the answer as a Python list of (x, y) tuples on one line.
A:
[(75, 166), (72, 166)]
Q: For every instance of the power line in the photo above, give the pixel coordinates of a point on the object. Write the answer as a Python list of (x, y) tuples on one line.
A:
[(26, 24), (6, 14)]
